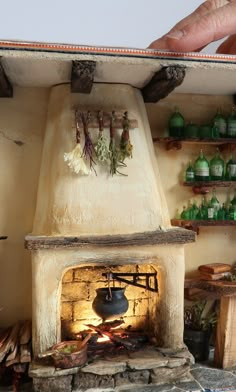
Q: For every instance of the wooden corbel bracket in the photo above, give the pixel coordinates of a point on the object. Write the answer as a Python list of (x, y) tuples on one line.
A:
[(6, 89), (163, 83), (82, 76)]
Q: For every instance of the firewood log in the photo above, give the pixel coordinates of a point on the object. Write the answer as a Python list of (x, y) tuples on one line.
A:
[(25, 353), (25, 332), (10, 342)]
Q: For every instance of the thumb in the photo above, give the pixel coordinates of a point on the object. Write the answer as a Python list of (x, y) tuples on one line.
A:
[(207, 28)]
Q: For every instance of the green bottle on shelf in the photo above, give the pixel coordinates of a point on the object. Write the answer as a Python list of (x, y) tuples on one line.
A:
[(219, 121), (195, 210), (201, 168), (189, 174), (231, 124), (230, 171), (233, 201), (217, 166), (176, 124), (227, 212), (204, 208), (190, 210), (232, 212), (184, 214), (210, 211), (221, 213), (215, 203)]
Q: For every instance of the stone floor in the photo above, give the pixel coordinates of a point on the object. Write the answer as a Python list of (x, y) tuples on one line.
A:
[(205, 379)]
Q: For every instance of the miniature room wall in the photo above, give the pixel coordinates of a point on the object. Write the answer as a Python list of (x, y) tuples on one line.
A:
[(22, 123), (22, 120)]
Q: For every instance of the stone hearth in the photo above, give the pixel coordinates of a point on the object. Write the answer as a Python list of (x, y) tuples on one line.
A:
[(141, 368)]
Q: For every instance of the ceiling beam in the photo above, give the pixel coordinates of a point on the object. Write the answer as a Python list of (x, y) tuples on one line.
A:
[(82, 76), (6, 90), (163, 83)]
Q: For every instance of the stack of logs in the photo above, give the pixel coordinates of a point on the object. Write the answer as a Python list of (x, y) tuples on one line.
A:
[(15, 347)]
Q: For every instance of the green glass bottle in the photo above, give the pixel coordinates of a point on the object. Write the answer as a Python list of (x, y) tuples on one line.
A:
[(220, 122), (204, 208), (184, 214), (215, 203), (227, 213), (233, 201), (217, 167), (230, 171), (231, 124), (221, 213), (210, 211), (201, 168), (194, 210), (176, 124), (232, 212), (191, 131), (190, 210), (189, 174)]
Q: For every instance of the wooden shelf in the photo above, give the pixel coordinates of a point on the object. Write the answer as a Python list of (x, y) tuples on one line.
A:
[(210, 183), (202, 187), (173, 143), (195, 224)]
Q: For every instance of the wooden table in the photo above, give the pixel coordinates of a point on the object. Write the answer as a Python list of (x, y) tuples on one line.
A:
[(225, 346)]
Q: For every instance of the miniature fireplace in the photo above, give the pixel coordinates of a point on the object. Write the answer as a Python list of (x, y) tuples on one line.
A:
[(103, 222)]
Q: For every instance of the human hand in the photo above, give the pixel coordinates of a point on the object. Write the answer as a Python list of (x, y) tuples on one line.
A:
[(211, 21)]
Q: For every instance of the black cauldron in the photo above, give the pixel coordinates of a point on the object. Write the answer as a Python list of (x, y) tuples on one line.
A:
[(110, 303)]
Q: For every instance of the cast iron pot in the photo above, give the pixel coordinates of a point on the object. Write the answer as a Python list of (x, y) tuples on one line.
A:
[(110, 304)]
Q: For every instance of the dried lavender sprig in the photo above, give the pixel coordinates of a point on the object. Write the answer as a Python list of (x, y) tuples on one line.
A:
[(88, 150)]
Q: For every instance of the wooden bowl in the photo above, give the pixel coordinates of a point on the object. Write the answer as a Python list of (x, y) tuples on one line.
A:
[(69, 354)]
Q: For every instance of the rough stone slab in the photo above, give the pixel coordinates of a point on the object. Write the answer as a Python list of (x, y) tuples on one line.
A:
[(214, 378), (105, 367), (181, 353), (153, 388), (176, 362), (191, 386), (165, 375), (132, 378), (38, 370), (83, 382), (53, 384), (147, 359)]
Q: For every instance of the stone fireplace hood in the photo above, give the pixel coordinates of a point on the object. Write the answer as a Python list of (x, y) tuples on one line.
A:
[(103, 209)]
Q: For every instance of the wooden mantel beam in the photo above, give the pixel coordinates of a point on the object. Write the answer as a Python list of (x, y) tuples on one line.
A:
[(82, 76), (158, 237), (163, 83), (6, 90)]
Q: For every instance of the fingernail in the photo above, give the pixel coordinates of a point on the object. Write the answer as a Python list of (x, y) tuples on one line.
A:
[(176, 34)]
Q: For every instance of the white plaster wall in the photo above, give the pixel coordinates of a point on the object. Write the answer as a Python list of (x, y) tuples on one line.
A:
[(22, 118), (213, 244)]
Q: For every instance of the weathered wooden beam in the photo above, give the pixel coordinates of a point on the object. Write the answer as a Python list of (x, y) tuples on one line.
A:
[(6, 90), (163, 83), (168, 237), (82, 76)]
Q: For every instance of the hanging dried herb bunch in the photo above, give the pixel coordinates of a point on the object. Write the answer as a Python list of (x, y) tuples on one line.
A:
[(115, 162), (126, 147), (101, 148), (88, 150), (74, 158)]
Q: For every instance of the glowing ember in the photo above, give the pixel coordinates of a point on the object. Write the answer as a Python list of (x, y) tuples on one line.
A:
[(103, 339)]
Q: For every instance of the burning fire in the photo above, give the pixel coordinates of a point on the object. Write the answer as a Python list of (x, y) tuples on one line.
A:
[(103, 339)]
